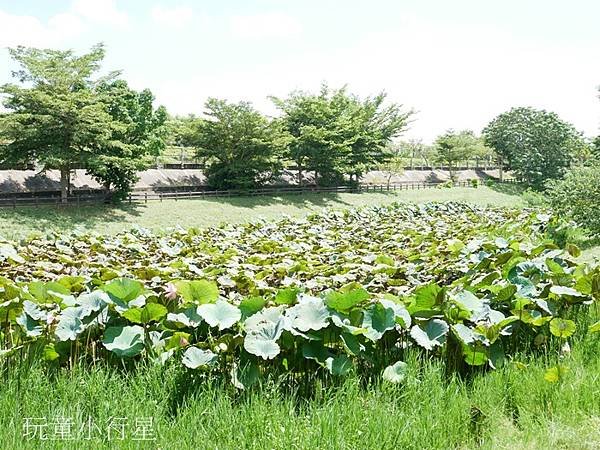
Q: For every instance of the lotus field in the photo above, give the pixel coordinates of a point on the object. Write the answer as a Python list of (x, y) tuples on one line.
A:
[(325, 296)]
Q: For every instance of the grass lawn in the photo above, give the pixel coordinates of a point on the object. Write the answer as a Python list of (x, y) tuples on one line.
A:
[(17, 223), (513, 407)]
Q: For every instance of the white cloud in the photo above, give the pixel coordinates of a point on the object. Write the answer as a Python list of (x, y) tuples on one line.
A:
[(100, 11), (173, 17), (30, 31), (264, 25)]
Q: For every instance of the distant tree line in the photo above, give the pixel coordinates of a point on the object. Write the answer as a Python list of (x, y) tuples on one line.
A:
[(63, 115)]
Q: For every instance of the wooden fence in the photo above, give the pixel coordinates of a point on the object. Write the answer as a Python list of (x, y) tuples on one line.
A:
[(82, 199)]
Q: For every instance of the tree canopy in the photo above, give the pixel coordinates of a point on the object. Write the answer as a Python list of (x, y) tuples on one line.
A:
[(536, 144), (63, 116), (242, 148), (336, 134)]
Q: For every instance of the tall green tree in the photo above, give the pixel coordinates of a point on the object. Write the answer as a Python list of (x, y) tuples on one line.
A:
[(452, 148), (138, 131), (55, 116), (336, 134), (241, 147), (64, 116), (536, 144)]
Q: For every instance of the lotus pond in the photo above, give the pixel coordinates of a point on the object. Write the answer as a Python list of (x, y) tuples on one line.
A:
[(333, 294)]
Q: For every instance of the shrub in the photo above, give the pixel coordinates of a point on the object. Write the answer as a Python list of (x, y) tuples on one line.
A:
[(535, 198), (577, 196)]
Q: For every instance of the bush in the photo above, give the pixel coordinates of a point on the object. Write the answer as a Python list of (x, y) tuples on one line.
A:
[(534, 198), (475, 182), (577, 196)]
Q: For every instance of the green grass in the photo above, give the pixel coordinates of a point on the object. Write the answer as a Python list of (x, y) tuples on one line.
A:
[(510, 408), (17, 223)]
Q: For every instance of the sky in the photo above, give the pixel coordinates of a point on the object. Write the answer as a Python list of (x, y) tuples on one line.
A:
[(456, 63)]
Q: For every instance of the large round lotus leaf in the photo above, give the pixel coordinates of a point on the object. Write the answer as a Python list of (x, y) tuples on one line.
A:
[(151, 312), (434, 334), (187, 318), (401, 314), (94, 301), (463, 333), (309, 314), (32, 327), (262, 340), (197, 291), (343, 301), (221, 314), (272, 315), (396, 373), (124, 341), (251, 305), (564, 290), (263, 348), (70, 324), (286, 296), (475, 354), (562, 328), (124, 289), (378, 319), (194, 357)]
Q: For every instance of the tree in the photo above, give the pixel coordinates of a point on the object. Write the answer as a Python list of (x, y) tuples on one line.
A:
[(537, 145), (394, 163), (455, 147), (182, 131), (241, 147), (138, 131), (336, 134), (55, 117), (577, 196)]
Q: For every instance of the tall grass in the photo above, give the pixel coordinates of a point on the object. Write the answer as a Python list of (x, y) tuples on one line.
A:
[(513, 407)]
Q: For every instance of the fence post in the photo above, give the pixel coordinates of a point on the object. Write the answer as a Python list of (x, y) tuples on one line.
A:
[(130, 198), (145, 197)]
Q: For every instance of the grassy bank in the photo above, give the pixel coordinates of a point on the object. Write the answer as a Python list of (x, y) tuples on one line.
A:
[(16, 223), (513, 407)]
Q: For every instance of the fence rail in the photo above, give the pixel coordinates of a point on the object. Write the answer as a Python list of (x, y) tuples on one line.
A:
[(80, 199)]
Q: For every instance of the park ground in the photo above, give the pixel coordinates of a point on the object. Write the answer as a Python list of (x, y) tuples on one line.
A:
[(512, 407)]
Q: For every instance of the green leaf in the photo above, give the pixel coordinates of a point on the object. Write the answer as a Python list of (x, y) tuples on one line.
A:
[(562, 328), (595, 328), (252, 305), (343, 301), (555, 374), (396, 373), (197, 291), (50, 354), (564, 290), (124, 342), (194, 357), (286, 296), (264, 348), (573, 250), (245, 375), (188, 317), (309, 314), (378, 319), (434, 334), (338, 365), (220, 314), (124, 289)]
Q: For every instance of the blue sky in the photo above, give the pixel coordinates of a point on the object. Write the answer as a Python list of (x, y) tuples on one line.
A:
[(458, 63)]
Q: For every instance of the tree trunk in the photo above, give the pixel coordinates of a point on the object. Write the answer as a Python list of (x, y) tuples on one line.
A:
[(500, 170), (299, 175), (65, 181)]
